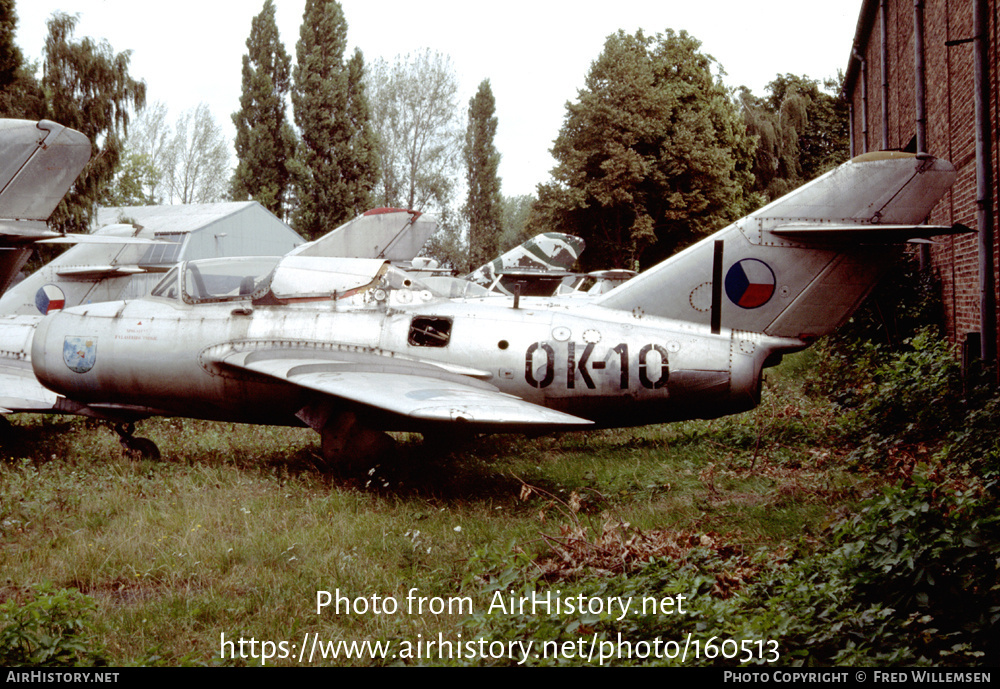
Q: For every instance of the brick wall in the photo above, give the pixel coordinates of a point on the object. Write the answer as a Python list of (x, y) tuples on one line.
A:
[(950, 110)]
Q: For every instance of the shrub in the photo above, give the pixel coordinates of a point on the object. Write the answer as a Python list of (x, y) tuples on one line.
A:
[(49, 629), (931, 551), (915, 397)]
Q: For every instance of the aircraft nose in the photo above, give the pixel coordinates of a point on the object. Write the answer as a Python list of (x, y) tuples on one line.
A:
[(46, 347)]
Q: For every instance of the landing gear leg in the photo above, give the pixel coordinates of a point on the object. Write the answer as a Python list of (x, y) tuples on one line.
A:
[(346, 442), (135, 448)]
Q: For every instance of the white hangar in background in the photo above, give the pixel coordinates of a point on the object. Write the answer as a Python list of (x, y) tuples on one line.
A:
[(89, 273)]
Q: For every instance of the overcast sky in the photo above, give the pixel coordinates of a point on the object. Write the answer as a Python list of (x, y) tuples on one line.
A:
[(535, 53)]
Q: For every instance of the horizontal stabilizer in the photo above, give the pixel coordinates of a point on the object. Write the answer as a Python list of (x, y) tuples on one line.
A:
[(94, 273), (825, 233)]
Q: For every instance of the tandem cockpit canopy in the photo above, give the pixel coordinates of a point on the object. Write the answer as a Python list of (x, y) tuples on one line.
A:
[(271, 280)]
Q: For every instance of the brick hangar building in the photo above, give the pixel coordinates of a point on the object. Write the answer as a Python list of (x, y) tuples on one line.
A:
[(922, 76)]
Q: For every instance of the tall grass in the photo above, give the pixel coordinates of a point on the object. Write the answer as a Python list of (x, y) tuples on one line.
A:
[(238, 527)]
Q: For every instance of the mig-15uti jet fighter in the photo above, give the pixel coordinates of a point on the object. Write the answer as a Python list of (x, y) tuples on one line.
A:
[(355, 347)]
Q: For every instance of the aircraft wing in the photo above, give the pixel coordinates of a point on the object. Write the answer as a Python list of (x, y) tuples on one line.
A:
[(409, 388), (21, 391)]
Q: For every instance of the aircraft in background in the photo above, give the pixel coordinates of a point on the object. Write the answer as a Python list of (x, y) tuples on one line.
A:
[(594, 283), (535, 268), (39, 161), (356, 347), (164, 235)]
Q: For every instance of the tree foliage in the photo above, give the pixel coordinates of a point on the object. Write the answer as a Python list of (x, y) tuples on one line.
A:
[(416, 118), (484, 205), (265, 142), (516, 211), (89, 89), (197, 159), (415, 110), (336, 165), (801, 133), (652, 155), (21, 95), (140, 179)]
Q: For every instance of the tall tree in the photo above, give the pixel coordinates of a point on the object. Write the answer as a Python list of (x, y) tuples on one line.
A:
[(265, 142), (653, 155), (414, 102), (484, 206), (89, 89), (516, 211), (21, 95), (801, 133), (336, 166), (142, 176), (197, 159)]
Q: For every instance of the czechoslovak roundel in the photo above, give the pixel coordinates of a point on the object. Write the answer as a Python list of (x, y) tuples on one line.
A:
[(750, 283)]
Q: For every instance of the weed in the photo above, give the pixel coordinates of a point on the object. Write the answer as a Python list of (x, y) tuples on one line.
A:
[(50, 628)]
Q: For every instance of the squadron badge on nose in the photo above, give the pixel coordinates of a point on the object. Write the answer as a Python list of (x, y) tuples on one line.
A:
[(80, 353)]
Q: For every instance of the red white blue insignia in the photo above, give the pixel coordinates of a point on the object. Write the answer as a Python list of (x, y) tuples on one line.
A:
[(750, 283), (49, 298)]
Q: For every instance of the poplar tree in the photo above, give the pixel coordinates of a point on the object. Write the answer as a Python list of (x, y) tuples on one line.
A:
[(265, 142), (484, 206), (336, 165)]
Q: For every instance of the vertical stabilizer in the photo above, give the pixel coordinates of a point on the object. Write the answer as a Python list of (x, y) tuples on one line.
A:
[(799, 266), (39, 161), (394, 234), (549, 251)]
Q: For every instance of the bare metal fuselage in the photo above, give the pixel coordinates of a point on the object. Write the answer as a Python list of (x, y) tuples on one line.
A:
[(162, 356)]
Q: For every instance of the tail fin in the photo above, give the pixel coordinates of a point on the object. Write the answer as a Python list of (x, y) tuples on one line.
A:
[(550, 251), (799, 266), (394, 234), (38, 163)]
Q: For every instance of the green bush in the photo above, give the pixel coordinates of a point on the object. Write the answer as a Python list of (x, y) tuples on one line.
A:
[(931, 551), (916, 396), (50, 630)]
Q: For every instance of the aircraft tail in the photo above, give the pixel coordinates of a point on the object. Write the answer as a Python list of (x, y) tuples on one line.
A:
[(550, 251), (798, 267), (38, 163), (394, 234)]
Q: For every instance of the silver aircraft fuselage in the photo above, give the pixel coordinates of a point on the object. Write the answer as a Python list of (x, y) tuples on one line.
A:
[(164, 356)]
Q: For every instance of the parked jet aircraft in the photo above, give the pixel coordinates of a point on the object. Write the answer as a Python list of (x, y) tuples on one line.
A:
[(108, 272), (38, 163), (534, 268), (355, 347)]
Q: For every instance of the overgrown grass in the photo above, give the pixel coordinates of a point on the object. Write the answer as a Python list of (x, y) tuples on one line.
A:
[(238, 527)]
